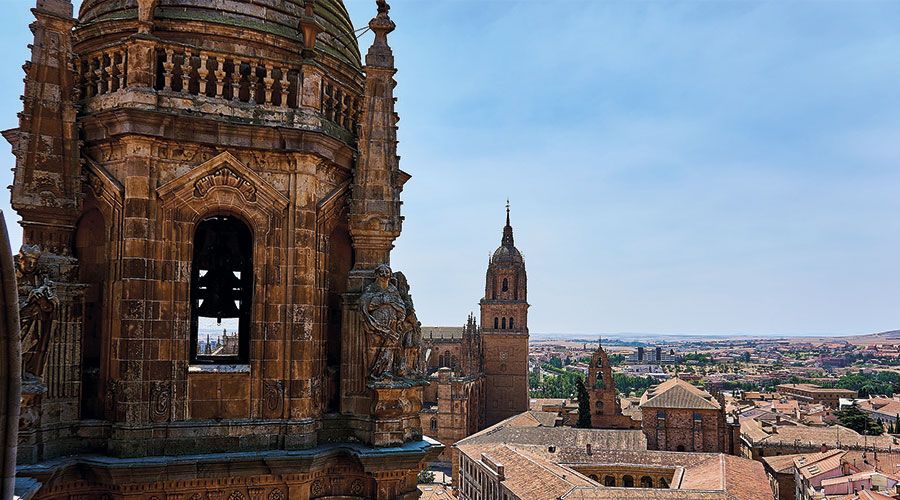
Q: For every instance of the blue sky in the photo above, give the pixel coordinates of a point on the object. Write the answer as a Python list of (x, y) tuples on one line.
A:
[(674, 167)]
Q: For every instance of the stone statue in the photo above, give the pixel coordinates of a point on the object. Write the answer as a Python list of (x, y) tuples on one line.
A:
[(411, 331), (383, 310), (37, 303)]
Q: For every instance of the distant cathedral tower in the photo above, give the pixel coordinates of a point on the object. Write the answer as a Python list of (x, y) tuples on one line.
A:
[(504, 322)]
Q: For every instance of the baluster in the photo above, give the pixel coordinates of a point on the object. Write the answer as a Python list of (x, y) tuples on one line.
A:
[(186, 72), (327, 102), (254, 81), (236, 81), (220, 76), (203, 73), (98, 76), (168, 69), (338, 106), (120, 67), (284, 88), (79, 78), (104, 73), (88, 78), (347, 112), (268, 81)]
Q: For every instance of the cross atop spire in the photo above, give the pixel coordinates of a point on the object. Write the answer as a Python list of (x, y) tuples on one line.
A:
[(507, 230)]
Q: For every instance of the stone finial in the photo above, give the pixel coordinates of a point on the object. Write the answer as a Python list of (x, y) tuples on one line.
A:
[(62, 8), (380, 53), (310, 27)]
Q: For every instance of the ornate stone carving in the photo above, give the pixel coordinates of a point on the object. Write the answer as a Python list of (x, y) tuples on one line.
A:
[(383, 311), (356, 487), (276, 494), (225, 176), (411, 331), (160, 402), (37, 303), (317, 488), (273, 398)]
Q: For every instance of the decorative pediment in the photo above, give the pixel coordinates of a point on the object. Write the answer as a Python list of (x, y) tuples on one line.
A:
[(224, 176), (224, 172), (100, 182)]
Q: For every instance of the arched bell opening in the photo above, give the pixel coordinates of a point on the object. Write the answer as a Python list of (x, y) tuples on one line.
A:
[(221, 291)]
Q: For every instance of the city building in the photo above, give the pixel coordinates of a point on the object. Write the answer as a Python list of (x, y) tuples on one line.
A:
[(762, 439), (478, 375), (528, 457), (678, 416), (653, 355), (606, 408), (183, 166), (811, 393), (504, 331)]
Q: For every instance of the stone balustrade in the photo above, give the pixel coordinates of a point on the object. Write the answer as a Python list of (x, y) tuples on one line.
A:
[(226, 76), (101, 72), (231, 78)]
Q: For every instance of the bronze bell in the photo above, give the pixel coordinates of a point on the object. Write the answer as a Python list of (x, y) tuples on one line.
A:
[(219, 288)]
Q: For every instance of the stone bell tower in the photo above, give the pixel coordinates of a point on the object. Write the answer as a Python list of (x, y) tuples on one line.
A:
[(504, 320), (209, 199), (606, 411)]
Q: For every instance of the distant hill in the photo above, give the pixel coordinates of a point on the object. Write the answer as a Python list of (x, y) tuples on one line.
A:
[(887, 337)]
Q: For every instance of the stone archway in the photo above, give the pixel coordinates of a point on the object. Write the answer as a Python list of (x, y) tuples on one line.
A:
[(10, 364)]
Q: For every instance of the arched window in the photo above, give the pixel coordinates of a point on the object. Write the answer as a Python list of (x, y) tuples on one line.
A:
[(511, 327), (221, 291), (594, 477), (609, 481), (433, 425), (628, 481), (496, 323), (599, 407), (504, 323), (505, 285), (646, 482), (663, 483)]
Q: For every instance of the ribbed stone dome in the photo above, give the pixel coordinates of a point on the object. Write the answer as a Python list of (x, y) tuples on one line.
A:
[(275, 17), (507, 254)]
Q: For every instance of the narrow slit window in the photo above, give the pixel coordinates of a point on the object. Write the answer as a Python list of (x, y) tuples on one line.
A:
[(221, 297)]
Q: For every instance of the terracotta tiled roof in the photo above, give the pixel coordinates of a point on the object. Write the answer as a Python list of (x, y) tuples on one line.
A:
[(534, 458), (781, 463), (816, 464), (528, 476), (442, 333), (676, 393), (834, 436), (536, 428), (863, 495)]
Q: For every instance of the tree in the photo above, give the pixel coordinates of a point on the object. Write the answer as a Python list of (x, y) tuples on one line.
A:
[(584, 405), (425, 477), (854, 418), (556, 362)]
